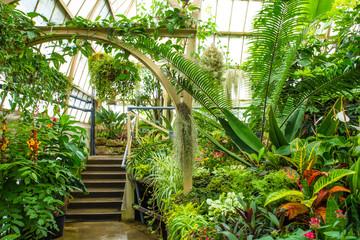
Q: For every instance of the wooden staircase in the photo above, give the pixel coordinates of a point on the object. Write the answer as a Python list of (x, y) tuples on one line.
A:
[(105, 181)]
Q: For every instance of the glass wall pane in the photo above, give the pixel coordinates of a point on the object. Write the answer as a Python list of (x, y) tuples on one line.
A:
[(223, 15), (238, 16), (46, 7), (59, 15), (75, 5), (98, 10), (86, 8), (235, 49), (28, 5)]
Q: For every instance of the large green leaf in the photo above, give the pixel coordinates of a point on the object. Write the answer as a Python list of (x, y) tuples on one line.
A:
[(319, 7), (329, 124), (294, 123), (277, 138), (283, 194), (354, 180), (230, 132), (333, 177), (222, 147), (243, 132), (331, 207)]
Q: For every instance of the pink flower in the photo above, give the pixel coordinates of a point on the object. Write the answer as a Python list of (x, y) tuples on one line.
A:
[(314, 223), (340, 214), (309, 235)]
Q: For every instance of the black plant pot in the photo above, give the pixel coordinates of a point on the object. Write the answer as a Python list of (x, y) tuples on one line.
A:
[(60, 222)]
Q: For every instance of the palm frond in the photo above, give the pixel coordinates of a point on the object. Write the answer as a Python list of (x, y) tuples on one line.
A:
[(276, 30), (323, 86), (197, 82)]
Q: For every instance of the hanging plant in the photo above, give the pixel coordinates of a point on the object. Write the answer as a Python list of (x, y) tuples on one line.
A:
[(212, 62), (112, 77)]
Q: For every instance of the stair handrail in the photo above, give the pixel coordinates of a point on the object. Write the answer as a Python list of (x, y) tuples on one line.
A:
[(128, 144)]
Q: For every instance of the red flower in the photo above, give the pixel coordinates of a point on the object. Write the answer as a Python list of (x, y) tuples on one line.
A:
[(54, 119)]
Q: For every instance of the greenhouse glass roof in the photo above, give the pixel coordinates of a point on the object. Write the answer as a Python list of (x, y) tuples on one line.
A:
[(233, 19)]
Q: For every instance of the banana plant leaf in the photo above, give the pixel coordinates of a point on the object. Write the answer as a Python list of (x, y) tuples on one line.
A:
[(240, 133), (329, 125), (294, 123), (277, 138), (227, 151), (319, 7)]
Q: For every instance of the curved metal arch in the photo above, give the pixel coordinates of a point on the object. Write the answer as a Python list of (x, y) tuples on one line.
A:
[(100, 36)]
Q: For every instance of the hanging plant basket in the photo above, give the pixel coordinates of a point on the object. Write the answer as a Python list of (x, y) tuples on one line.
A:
[(112, 77)]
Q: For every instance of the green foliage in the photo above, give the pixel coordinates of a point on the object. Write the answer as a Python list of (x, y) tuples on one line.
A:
[(225, 205), (27, 74), (139, 165), (112, 76), (167, 178), (36, 177), (278, 29), (183, 219), (250, 222), (333, 177), (319, 7), (111, 121)]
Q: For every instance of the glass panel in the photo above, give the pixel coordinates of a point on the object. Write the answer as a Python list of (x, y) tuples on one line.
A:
[(245, 53), (79, 68), (67, 1), (254, 8), (208, 9), (98, 10), (223, 15), (87, 118), (28, 5), (45, 7), (59, 15), (104, 12), (235, 49), (84, 76), (238, 16), (121, 6), (86, 8), (75, 5)]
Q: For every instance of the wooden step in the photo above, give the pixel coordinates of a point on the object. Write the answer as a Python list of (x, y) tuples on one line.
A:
[(93, 214), (100, 192), (103, 175), (96, 203), (104, 167), (104, 183)]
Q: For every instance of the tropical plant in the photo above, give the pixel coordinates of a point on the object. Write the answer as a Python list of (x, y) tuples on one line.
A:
[(249, 221), (166, 177), (28, 77), (113, 76), (111, 121), (312, 194), (141, 160), (183, 219), (36, 177), (225, 205)]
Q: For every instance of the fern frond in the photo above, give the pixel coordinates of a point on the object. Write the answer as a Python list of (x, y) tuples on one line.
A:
[(320, 86)]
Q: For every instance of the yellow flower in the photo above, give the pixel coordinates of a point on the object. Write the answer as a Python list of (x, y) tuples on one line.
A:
[(4, 128), (31, 143)]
